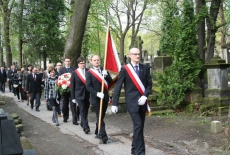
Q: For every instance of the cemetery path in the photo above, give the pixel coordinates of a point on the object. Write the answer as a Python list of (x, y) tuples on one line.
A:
[(177, 134)]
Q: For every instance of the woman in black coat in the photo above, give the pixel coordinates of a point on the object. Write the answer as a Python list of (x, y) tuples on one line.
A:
[(17, 83)]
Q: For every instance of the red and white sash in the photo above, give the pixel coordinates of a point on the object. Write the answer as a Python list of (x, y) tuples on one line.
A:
[(80, 75), (137, 82), (98, 76)]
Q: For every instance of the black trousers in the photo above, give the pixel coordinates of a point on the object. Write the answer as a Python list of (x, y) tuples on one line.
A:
[(18, 91), (10, 85), (102, 132), (2, 86), (65, 107), (36, 95), (84, 108), (138, 143), (75, 111)]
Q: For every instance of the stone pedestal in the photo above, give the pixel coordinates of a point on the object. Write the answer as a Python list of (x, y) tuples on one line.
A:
[(161, 62), (217, 93)]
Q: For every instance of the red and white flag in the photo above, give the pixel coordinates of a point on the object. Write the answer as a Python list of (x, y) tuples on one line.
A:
[(113, 64)]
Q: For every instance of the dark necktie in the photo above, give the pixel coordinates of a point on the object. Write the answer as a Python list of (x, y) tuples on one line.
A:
[(136, 70), (34, 77), (99, 71), (68, 70)]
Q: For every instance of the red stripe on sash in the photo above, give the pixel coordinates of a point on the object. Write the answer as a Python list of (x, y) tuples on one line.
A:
[(134, 80), (137, 85), (80, 76), (98, 78)]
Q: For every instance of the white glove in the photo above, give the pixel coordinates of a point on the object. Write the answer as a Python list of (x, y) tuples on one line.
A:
[(100, 95), (142, 100), (114, 109), (74, 101), (57, 101), (105, 73)]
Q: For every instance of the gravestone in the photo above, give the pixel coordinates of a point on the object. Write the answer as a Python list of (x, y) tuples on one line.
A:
[(217, 94), (161, 62)]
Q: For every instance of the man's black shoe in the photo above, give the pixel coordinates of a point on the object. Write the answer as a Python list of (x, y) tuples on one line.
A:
[(104, 139), (31, 108), (65, 121), (37, 110), (86, 131), (76, 123)]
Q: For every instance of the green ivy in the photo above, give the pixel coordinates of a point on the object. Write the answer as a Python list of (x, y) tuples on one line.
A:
[(186, 66)]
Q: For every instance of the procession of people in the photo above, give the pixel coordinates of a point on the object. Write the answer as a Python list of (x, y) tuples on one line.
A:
[(83, 89)]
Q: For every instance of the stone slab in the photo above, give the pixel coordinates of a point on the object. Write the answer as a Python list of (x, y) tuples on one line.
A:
[(1, 149), (14, 116), (30, 152), (10, 140), (2, 114), (216, 126)]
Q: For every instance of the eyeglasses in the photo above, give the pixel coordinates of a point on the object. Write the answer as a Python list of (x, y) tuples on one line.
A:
[(81, 63), (136, 54)]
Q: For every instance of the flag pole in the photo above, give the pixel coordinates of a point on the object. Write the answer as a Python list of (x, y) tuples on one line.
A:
[(102, 86)]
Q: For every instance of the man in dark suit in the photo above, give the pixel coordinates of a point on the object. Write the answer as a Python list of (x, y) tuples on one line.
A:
[(80, 94), (94, 78), (3, 78), (33, 87), (66, 96), (137, 84), (11, 73)]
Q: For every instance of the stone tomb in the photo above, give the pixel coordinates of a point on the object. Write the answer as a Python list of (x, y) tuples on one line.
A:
[(217, 94)]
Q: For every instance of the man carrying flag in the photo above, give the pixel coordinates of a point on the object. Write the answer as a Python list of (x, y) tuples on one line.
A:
[(96, 79), (137, 84)]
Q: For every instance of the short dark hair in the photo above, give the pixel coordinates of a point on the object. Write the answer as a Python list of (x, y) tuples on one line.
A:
[(51, 70), (80, 59), (67, 58)]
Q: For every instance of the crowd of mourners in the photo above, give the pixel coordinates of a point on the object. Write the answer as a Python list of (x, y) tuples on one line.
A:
[(29, 84)]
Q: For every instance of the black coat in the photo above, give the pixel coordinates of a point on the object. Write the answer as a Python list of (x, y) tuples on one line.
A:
[(11, 74), (78, 88), (64, 70), (94, 86), (33, 86), (3, 76), (132, 94)]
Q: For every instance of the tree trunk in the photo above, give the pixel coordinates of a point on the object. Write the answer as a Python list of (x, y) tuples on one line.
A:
[(122, 47), (200, 4), (20, 42), (224, 28), (6, 35), (76, 31), (1, 49), (6, 12), (211, 28)]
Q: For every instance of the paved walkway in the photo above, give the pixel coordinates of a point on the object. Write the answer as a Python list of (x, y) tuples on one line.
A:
[(117, 144)]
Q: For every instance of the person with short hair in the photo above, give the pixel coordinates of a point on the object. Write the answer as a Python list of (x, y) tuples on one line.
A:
[(66, 96), (51, 94), (3, 78), (11, 73), (94, 78), (138, 85), (24, 81), (80, 94), (33, 87), (17, 83)]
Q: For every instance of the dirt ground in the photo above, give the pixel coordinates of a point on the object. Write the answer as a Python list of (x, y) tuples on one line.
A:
[(176, 134)]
